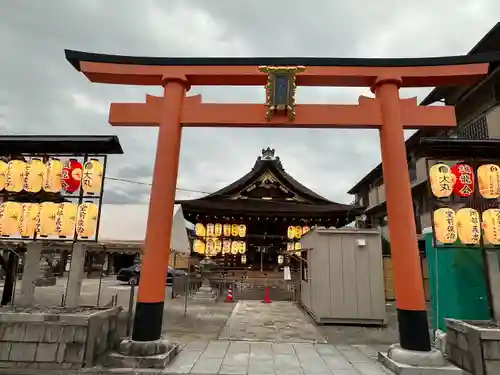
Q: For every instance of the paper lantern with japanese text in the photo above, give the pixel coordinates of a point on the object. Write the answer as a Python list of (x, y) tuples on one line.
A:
[(226, 246), (242, 230), (290, 246), (242, 247), (226, 230), (14, 178), (218, 230), (3, 173), (71, 175), (234, 247), (10, 218), (464, 180), (93, 172), (2, 215), (218, 245), (199, 246), (298, 231), (234, 230), (291, 232), (445, 226), (305, 229), (210, 247), (298, 246), (199, 230), (441, 180), (210, 230), (52, 176), (488, 176), (491, 226), (86, 220), (468, 226), (33, 175), (27, 219), (46, 219), (66, 219)]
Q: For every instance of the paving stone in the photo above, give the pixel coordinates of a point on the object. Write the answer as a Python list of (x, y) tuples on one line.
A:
[(255, 321), (236, 359), (337, 363), (283, 361), (22, 352), (4, 350), (207, 366), (290, 371), (237, 370), (215, 349), (196, 345), (283, 348), (184, 362)]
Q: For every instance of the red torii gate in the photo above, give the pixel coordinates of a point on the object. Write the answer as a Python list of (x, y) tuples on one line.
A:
[(386, 112)]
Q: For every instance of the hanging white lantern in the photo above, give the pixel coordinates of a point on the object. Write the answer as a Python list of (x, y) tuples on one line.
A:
[(280, 259), (243, 259)]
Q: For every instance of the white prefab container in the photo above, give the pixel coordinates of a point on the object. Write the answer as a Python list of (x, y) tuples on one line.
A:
[(342, 279)]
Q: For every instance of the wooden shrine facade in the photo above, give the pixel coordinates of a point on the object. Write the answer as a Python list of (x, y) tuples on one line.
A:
[(255, 223)]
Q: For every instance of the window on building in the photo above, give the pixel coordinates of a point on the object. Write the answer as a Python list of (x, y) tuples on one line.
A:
[(304, 269), (476, 129)]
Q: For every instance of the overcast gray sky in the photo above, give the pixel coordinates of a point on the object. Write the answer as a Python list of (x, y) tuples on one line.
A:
[(41, 93)]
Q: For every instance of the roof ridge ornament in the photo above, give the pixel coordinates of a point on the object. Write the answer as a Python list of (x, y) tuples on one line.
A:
[(280, 89)]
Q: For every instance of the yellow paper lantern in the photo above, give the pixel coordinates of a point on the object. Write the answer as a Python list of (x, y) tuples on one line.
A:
[(298, 246), (210, 230), (242, 230), (441, 180), (210, 247), (27, 219), (226, 246), (235, 246), (243, 259), (3, 173), (14, 178), (290, 246), (199, 246), (199, 230), (218, 245), (52, 176), (305, 229), (491, 226), (93, 172), (46, 219), (86, 222), (234, 230), (242, 248), (280, 259), (468, 226), (10, 218), (298, 231), (33, 175), (2, 215), (488, 176), (226, 230), (445, 226), (218, 230), (291, 232), (66, 219)]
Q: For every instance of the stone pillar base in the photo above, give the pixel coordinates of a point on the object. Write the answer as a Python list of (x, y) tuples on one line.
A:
[(137, 354), (409, 362)]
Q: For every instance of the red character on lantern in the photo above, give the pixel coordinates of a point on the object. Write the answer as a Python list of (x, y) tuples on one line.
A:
[(71, 175), (464, 180)]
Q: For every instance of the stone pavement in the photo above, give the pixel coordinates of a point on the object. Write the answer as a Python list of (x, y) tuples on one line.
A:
[(274, 322), (265, 358)]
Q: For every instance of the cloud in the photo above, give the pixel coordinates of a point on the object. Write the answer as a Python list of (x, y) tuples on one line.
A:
[(41, 93)]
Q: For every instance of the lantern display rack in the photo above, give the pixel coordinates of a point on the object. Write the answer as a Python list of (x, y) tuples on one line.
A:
[(465, 204), (213, 239), (68, 174), (56, 197)]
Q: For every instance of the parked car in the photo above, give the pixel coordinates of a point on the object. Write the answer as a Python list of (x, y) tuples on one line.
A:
[(131, 275)]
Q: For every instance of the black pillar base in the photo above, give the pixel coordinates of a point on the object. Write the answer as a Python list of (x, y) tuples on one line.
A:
[(148, 321), (414, 330)]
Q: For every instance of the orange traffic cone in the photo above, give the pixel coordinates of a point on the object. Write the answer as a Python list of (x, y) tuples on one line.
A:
[(229, 297), (266, 296)]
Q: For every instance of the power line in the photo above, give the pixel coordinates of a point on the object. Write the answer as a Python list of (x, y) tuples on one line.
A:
[(149, 184)]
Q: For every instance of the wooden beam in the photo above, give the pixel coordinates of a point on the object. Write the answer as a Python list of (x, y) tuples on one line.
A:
[(365, 115)]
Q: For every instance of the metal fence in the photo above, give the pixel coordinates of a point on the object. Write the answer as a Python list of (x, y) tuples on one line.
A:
[(243, 289)]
